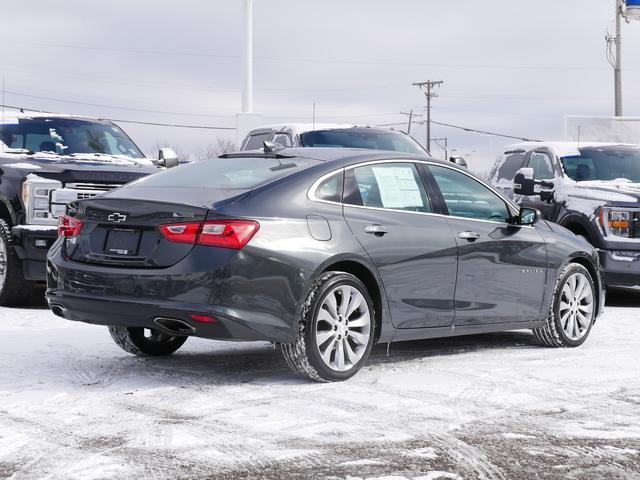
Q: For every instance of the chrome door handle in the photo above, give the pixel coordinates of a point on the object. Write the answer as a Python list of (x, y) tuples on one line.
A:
[(376, 229), (471, 236)]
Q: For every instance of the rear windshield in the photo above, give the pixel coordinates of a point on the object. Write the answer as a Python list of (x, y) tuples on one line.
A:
[(351, 138), (230, 174)]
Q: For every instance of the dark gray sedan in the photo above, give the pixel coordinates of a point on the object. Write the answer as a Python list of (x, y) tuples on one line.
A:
[(323, 251)]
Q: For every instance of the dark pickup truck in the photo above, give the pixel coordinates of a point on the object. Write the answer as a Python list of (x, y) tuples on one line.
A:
[(47, 161), (592, 189)]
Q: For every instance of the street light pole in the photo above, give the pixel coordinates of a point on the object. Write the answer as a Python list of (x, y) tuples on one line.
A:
[(247, 80), (617, 69)]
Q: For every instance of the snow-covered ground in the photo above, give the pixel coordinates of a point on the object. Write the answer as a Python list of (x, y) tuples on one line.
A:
[(74, 406)]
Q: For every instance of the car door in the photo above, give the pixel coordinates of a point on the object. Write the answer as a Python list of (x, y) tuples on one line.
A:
[(544, 168), (388, 209), (501, 266)]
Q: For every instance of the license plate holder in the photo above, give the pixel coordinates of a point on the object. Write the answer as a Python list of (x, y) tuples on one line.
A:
[(123, 242)]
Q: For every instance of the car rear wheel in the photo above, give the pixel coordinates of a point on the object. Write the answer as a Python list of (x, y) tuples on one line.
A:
[(14, 289), (144, 341), (335, 334), (573, 311)]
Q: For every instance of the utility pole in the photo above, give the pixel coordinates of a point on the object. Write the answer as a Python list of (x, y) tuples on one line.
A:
[(629, 10), (411, 115), (428, 88), (444, 146)]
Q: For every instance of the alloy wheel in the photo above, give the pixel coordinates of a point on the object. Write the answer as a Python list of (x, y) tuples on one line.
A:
[(3, 263), (343, 328), (576, 306)]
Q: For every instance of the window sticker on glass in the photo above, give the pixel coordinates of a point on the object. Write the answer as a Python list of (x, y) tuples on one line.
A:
[(398, 187)]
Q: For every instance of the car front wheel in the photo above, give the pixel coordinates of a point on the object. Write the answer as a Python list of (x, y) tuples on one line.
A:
[(573, 311), (336, 331), (143, 341)]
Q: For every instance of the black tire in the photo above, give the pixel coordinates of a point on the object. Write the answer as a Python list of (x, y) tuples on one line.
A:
[(303, 356), (134, 341), (552, 333), (14, 288)]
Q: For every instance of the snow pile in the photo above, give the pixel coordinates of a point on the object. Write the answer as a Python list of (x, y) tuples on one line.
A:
[(74, 406)]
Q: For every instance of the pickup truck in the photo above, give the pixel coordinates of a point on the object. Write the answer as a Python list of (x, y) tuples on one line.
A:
[(47, 161), (591, 189)]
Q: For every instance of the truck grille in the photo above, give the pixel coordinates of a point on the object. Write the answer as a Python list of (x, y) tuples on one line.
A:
[(102, 187)]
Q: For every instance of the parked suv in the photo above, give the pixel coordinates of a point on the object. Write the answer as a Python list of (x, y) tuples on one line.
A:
[(593, 189), (333, 135), (47, 161)]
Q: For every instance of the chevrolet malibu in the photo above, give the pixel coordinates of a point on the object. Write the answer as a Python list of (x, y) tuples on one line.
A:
[(322, 251)]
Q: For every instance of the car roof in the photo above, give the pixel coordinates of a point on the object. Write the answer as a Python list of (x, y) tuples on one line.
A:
[(12, 115), (564, 149), (300, 128), (340, 156)]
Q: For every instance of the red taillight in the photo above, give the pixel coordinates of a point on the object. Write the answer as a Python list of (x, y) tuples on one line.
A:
[(69, 226), (216, 233)]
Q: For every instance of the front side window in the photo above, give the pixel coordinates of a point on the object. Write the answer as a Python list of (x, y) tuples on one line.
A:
[(395, 186), (468, 198), (511, 163), (542, 166)]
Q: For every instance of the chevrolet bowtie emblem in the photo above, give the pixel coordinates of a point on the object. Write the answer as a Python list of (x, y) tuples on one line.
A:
[(116, 217)]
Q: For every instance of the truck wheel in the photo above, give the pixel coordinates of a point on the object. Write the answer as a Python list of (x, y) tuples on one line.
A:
[(573, 310), (14, 288), (145, 342), (335, 333)]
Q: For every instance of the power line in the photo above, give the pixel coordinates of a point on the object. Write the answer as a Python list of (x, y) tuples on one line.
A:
[(466, 129), (309, 59), (115, 107), (120, 120)]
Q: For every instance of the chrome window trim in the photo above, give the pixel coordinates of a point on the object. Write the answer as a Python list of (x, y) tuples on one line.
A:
[(311, 192)]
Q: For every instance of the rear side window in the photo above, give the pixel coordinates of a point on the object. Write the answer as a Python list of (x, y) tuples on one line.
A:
[(512, 162), (330, 189), (233, 174), (395, 186), (542, 165), (255, 142), (468, 198)]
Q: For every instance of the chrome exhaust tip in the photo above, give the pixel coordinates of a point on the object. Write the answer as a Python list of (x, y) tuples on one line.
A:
[(58, 310), (174, 325)]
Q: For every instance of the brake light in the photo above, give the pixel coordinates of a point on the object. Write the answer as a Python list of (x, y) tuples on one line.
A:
[(69, 226), (216, 233)]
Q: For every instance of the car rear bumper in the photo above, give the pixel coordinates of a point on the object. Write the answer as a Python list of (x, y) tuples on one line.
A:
[(250, 297), (31, 243), (621, 268)]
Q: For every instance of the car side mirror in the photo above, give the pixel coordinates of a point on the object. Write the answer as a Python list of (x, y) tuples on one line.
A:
[(524, 183), (460, 161), (167, 157), (528, 216)]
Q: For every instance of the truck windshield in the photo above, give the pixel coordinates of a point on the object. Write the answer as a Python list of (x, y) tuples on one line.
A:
[(67, 136), (604, 164), (359, 138)]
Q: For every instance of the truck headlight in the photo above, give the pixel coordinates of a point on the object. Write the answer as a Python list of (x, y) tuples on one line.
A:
[(36, 195), (617, 222)]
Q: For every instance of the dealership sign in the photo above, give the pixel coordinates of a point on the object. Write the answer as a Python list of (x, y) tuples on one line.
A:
[(632, 9)]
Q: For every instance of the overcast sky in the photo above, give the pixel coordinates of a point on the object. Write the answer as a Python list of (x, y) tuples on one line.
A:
[(510, 66)]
